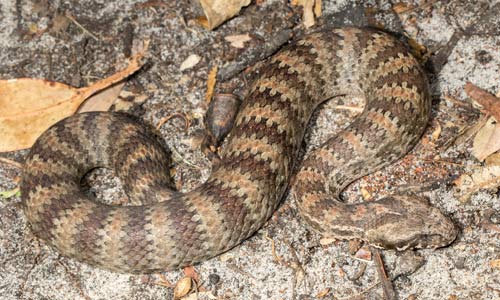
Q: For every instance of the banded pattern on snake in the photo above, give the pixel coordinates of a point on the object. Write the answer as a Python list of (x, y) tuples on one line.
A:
[(167, 229)]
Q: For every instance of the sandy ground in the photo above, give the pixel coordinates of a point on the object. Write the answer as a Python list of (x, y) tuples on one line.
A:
[(463, 44)]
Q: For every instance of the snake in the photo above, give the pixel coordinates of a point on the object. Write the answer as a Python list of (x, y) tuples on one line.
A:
[(163, 229)]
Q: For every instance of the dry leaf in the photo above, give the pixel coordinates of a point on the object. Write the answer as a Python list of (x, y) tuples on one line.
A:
[(308, 11), (364, 253), (482, 178), (323, 293), (489, 102), (238, 40), (29, 106), (191, 273), (218, 11), (182, 287), (318, 8), (191, 61), (311, 8), (487, 140), (493, 160), (211, 81), (103, 100), (325, 241), (402, 7)]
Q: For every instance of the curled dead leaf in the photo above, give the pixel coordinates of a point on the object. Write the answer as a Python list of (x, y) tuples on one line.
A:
[(218, 11), (182, 287), (481, 178), (29, 106)]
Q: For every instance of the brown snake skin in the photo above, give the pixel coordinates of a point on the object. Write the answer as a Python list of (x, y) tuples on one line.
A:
[(166, 229)]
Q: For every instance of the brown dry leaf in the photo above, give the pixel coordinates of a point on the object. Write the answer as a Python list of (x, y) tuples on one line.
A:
[(211, 81), (191, 273), (481, 178), (182, 287), (489, 102), (364, 253), (310, 8), (103, 100), (401, 7), (238, 40), (493, 160), (218, 11), (29, 106), (487, 140)]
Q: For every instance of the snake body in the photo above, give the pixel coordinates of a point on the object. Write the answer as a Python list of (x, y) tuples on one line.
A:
[(167, 229)]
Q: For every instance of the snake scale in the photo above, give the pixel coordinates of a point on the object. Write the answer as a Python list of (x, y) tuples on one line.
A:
[(166, 229)]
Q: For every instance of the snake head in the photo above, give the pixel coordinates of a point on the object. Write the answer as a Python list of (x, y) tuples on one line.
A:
[(409, 222)]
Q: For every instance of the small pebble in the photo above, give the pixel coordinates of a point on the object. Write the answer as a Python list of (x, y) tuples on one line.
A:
[(213, 278)]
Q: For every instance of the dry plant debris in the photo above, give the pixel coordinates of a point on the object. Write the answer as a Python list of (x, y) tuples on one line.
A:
[(29, 106), (312, 9), (211, 81), (485, 147), (481, 178), (238, 40), (218, 11), (191, 61)]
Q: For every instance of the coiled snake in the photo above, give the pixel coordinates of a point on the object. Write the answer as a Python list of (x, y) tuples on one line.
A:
[(170, 229)]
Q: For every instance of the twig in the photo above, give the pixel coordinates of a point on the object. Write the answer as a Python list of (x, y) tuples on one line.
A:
[(75, 280), (349, 108), (172, 116), (382, 275), (277, 258), (72, 19), (11, 162)]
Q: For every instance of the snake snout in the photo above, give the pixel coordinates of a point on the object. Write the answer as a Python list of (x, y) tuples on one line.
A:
[(415, 224)]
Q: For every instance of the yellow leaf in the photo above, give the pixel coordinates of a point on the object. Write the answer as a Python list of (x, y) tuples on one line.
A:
[(29, 106)]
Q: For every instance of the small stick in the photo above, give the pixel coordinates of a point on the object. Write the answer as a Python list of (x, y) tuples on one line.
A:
[(384, 279), (11, 162), (72, 19)]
